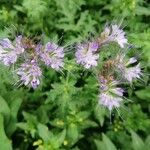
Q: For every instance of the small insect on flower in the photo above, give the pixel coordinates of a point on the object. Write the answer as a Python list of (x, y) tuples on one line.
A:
[(86, 54), (111, 96), (9, 51), (127, 69), (30, 74), (52, 55), (113, 33)]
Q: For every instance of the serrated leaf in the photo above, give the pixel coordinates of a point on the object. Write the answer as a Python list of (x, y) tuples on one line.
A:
[(44, 133), (30, 118), (100, 114), (72, 132), (39, 8), (60, 137)]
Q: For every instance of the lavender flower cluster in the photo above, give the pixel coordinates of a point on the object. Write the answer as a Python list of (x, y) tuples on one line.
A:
[(29, 69), (111, 95), (87, 54)]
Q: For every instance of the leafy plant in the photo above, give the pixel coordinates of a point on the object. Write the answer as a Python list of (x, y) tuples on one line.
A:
[(63, 112)]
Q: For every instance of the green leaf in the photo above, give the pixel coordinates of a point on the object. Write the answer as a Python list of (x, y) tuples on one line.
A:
[(5, 143), (36, 9), (14, 107), (109, 145), (30, 118), (99, 145), (44, 133), (105, 144), (100, 114), (147, 143), (137, 142), (42, 114), (22, 126), (30, 124), (143, 11), (144, 94), (4, 109), (72, 132), (60, 138)]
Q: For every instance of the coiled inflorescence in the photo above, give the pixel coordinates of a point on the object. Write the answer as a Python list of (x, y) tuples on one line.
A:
[(111, 96), (29, 56), (111, 71), (30, 73), (87, 54)]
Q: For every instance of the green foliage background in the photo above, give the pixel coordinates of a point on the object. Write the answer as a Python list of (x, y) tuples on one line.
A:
[(63, 113)]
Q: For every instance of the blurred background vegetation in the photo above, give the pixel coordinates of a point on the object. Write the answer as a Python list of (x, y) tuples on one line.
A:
[(62, 114)]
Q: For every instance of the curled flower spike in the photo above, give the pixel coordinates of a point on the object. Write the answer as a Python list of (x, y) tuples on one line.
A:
[(52, 55), (30, 74), (128, 71), (113, 33), (86, 54), (10, 51), (110, 96), (29, 71)]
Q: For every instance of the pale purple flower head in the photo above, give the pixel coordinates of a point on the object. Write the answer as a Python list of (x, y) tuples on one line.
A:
[(30, 74), (110, 96), (7, 58), (127, 69), (9, 51), (52, 55), (113, 33), (86, 54), (109, 101), (132, 73)]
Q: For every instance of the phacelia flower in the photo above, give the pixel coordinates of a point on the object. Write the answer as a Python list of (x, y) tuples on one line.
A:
[(7, 58), (127, 69), (113, 33), (86, 54), (30, 74), (109, 101), (9, 51), (132, 73), (110, 96), (52, 55)]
